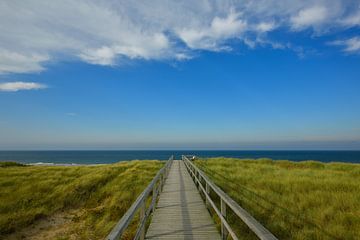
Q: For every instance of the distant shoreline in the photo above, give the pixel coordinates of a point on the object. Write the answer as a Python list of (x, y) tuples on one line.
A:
[(105, 157), (65, 164)]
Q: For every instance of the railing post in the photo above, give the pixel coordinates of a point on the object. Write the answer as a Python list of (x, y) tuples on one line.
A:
[(163, 181), (154, 196), (207, 189), (199, 182), (142, 217), (224, 232), (161, 184)]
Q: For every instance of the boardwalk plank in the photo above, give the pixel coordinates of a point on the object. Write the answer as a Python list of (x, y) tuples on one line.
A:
[(181, 214)]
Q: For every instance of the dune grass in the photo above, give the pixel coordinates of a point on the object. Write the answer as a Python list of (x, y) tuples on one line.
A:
[(11, 164), (294, 200), (99, 195)]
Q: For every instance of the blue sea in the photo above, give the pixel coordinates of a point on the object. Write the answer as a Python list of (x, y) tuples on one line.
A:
[(97, 157)]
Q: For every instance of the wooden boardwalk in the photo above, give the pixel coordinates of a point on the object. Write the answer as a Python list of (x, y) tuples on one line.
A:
[(180, 212)]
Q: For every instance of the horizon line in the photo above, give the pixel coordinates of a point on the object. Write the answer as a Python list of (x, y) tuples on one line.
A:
[(267, 150)]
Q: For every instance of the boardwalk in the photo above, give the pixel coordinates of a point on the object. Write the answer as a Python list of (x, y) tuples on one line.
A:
[(180, 212)]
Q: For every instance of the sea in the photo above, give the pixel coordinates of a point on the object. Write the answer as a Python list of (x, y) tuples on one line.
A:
[(101, 157)]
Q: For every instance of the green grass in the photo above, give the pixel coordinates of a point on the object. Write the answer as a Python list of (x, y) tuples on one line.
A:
[(305, 200), (99, 195), (11, 164)]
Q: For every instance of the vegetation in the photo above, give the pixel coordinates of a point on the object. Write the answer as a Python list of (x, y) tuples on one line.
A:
[(85, 202), (294, 200), (11, 164)]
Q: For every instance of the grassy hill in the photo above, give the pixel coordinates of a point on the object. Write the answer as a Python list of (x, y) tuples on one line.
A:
[(82, 202), (294, 200)]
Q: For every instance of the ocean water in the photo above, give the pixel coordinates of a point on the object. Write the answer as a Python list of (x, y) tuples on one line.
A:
[(96, 157)]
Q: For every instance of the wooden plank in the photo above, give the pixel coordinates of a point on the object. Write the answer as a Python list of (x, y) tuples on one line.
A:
[(180, 212)]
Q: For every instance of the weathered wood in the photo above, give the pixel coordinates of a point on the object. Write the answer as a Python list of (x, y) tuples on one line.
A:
[(180, 212), (142, 216), (260, 231), (154, 197), (224, 232), (207, 189)]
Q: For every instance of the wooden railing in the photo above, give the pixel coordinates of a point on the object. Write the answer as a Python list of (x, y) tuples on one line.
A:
[(225, 202), (155, 187)]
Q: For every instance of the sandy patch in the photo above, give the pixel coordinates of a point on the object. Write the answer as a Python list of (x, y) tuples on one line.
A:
[(56, 226)]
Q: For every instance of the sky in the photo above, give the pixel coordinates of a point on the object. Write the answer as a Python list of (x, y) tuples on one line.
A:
[(108, 74)]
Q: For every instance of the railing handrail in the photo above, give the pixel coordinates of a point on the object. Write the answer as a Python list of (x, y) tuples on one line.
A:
[(260, 231), (140, 202)]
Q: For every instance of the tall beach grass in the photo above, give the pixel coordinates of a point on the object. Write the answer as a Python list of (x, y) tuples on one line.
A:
[(294, 200), (97, 196)]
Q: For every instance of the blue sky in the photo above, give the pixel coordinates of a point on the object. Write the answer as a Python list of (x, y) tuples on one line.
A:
[(228, 76)]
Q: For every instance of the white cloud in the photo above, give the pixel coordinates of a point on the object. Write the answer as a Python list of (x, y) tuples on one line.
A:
[(313, 16), (101, 56), (107, 32), (150, 47), (351, 45), (210, 37), (15, 62), (18, 86), (265, 27), (96, 32)]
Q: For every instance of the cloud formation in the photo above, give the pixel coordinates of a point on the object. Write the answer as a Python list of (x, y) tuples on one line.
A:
[(351, 45), (210, 37), (18, 86), (313, 16), (105, 32)]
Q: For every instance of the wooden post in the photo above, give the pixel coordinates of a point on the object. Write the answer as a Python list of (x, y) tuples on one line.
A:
[(142, 217), (163, 180), (199, 182), (161, 184), (224, 232), (154, 196), (207, 189)]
